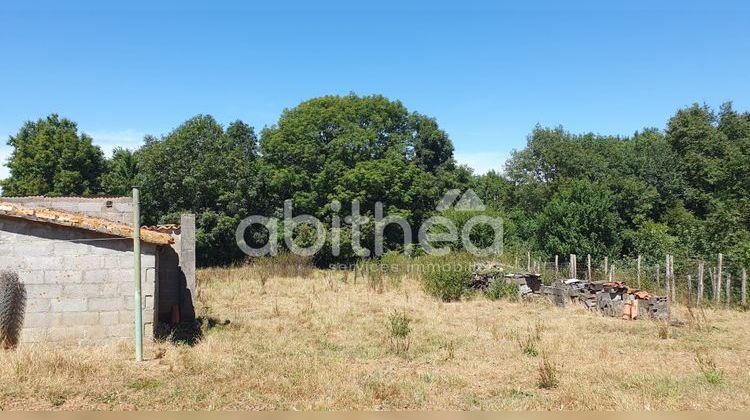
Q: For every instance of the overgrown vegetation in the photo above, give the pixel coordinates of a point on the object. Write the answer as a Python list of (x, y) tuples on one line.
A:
[(500, 289), (448, 279), (302, 345)]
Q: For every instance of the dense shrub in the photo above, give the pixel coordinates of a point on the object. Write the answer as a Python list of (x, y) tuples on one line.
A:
[(446, 278), (500, 289)]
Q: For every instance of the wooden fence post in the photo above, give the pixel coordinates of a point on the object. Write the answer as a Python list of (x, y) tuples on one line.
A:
[(557, 269), (639, 271), (572, 266), (667, 280), (700, 282), (674, 280), (612, 272), (658, 283), (729, 289), (717, 297), (744, 287), (673, 287), (528, 261), (606, 266), (588, 268)]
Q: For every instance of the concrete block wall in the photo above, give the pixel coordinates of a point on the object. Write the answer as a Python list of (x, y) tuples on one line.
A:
[(78, 292), (116, 209), (176, 285)]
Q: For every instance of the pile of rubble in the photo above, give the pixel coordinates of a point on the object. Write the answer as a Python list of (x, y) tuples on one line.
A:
[(610, 298), (487, 273)]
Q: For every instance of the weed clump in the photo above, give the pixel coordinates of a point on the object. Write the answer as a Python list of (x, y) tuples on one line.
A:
[(663, 330), (529, 343), (548, 374), (399, 329), (709, 369), (375, 281)]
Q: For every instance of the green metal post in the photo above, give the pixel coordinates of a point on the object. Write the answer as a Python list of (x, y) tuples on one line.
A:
[(137, 275)]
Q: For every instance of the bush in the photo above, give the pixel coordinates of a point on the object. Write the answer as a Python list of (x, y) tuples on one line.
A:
[(395, 266), (446, 280), (500, 289)]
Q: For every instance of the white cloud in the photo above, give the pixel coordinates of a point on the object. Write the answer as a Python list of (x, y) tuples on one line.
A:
[(482, 162)]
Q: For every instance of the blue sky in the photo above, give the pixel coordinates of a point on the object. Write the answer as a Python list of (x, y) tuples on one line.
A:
[(487, 72)]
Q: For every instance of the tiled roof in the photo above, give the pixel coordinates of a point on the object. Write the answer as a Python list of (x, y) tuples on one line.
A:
[(70, 219), (67, 197), (164, 228)]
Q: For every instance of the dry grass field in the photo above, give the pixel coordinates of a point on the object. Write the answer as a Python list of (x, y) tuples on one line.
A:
[(326, 342)]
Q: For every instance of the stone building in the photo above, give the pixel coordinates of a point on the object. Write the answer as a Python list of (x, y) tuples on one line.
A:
[(75, 257)]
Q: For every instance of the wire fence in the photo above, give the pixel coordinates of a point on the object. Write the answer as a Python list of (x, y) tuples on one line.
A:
[(691, 281)]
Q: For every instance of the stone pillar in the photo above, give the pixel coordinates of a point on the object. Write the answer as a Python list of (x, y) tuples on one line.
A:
[(187, 262)]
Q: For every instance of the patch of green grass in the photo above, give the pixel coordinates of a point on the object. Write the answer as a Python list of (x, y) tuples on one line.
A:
[(528, 346), (380, 388), (711, 372), (516, 393), (143, 384), (56, 397)]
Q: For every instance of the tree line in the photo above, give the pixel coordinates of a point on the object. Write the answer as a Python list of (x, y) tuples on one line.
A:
[(681, 190)]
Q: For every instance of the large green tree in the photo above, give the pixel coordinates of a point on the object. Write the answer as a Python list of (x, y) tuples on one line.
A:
[(201, 168), (50, 157), (702, 151), (683, 190), (120, 173), (580, 219), (366, 148)]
